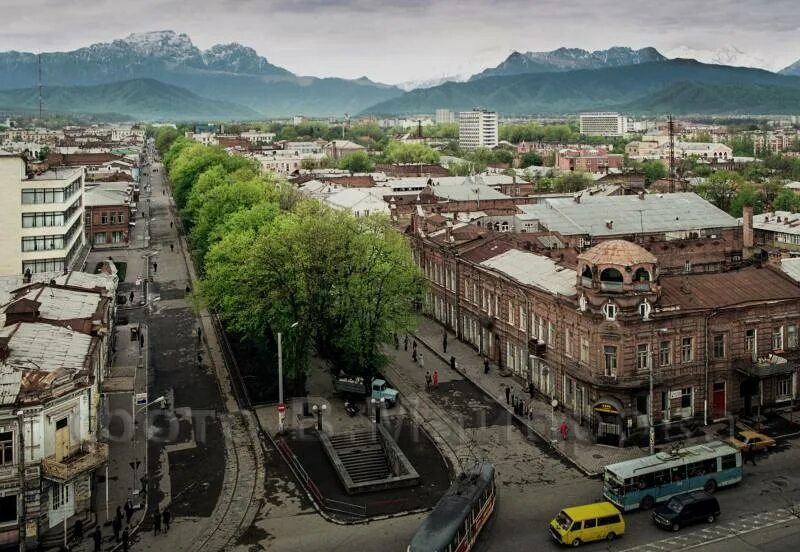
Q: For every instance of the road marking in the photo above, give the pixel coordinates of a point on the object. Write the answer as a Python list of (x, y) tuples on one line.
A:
[(720, 532)]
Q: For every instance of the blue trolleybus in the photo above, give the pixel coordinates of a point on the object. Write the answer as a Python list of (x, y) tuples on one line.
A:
[(642, 482), (458, 517)]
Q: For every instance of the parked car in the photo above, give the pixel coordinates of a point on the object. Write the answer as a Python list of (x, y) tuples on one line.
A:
[(591, 522), (686, 508), (743, 439)]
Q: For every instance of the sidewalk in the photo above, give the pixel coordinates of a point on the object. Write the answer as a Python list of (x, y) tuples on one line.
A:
[(579, 449)]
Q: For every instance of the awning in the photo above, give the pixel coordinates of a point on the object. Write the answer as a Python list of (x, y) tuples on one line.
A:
[(608, 405)]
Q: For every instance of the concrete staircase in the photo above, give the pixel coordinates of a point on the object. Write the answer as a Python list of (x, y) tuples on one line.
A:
[(361, 455)]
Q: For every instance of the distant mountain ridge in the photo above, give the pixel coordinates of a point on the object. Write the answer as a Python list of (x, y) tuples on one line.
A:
[(609, 88), (569, 59), (226, 72), (138, 99)]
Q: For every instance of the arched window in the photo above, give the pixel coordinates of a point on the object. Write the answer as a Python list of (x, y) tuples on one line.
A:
[(611, 275), (587, 272), (504, 226), (641, 275)]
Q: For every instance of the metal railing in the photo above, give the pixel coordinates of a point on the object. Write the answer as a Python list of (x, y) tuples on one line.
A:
[(87, 457), (237, 382), (347, 508)]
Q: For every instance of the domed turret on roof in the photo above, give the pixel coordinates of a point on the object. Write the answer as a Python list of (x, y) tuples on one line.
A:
[(617, 266)]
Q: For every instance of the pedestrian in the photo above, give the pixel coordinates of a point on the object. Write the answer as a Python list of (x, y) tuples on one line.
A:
[(453, 363), (166, 517), (116, 526), (513, 398), (141, 340), (405, 343), (156, 521), (435, 378), (485, 365), (118, 515), (172, 248), (751, 454), (564, 430), (143, 482), (396, 342), (508, 393), (125, 538), (97, 537), (199, 335), (188, 288), (155, 268), (170, 225), (163, 191), (444, 341), (427, 381), (530, 389), (78, 530), (199, 360), (414, 355), (128, 511), (131, 296), (421, 361)]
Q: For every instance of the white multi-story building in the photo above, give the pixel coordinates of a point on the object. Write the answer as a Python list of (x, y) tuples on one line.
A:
[(477, 129), (603, 124), (41, 217), (444, 116), (258, 138)]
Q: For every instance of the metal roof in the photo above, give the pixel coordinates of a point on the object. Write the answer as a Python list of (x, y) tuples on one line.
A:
[(769, 222), (629, 214), (791, 267), (10, 382), (466, 192), (45, 347), (534, 270), (64, 304)]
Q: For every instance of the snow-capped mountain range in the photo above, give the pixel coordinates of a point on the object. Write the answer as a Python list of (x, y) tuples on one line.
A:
[(725, 55)]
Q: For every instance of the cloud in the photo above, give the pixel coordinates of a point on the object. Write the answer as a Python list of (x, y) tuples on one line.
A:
[(394, 41)]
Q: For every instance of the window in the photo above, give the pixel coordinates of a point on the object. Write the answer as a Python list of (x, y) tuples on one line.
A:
[(665, 353), (719, 346), (610, 310), (522, 316), (643, 356), (510, 312), (6, 448), (750, 342), (687, 267), (777, 338), (687, 350), (686, 397), (783, 387), (104, 218), (728, 461), (8, 508), (610, 354), (551, 334), (584, 350), (590, 524), (117, 237), (568, 342), (791, 336), (42, 243), (99, 238), (44, 265), (644, 310)]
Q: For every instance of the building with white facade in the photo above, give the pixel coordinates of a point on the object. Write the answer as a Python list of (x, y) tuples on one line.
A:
[(603, 124), (477, 129), (41, 217), (444, 116), (258, 138)]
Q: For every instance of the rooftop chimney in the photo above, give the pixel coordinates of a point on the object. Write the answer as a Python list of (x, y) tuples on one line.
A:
[(747, 232), (610, 224), (641, 196)]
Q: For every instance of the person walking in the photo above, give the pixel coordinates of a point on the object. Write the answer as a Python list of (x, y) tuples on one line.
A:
[(166, 516), (155, 268), (508, 393), (199, 335), (435, 378), (128, 511), (452, 363), (97, 537), (485, 365), (563, 429), (131, 296), (172, 248), (427, 381), (116, 526), (156, 521), (118, 513), (750, 454), (530, 389), (396, 342), (125, 538), (414, 355), (421, 361), (199, 359), (405, 343), (414, 345), (170, 225), (444, 341)]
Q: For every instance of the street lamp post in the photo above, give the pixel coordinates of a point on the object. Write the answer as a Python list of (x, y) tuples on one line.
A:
[(319, 411), (376, 405), (281, 409), (553, 405), (134, 465)]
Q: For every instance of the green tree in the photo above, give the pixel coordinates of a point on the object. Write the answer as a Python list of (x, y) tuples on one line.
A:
[(720, 188), (572, 182), (501, 156), (398, 152), (164, 138), (532, 158), (746, 196), (357, 162), (653, 170), (786, 200)]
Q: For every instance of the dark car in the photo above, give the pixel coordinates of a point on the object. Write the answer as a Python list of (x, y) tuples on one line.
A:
[(686, 508)]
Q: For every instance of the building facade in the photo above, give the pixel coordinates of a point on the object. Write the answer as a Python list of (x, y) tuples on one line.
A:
[(477, 129), (41, 219), (593, 160), (603, 124), (444, 116)]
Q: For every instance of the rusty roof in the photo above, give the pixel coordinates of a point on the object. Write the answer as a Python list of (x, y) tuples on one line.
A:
[(740, 287)]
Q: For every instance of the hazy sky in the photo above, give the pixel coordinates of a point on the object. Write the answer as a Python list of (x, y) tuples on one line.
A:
[(400, 40)]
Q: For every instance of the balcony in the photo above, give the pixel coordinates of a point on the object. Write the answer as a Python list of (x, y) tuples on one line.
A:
[(85, 458), (764, 367)]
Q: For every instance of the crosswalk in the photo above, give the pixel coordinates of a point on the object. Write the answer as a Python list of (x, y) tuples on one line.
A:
[(718, 531)]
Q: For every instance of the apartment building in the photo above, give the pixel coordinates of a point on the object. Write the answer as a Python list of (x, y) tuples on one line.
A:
[(477, 129), (603, 124), (444, 116), (41, 217)]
